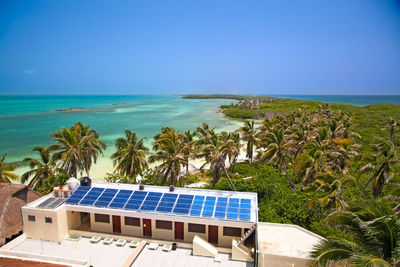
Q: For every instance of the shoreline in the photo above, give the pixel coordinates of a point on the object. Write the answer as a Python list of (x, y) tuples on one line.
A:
[(104, 163)]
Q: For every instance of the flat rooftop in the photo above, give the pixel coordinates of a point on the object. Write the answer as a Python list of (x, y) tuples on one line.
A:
[(97, 254), (286, 240), (7, 262), (225, 206), (100, 255), (182, 257)]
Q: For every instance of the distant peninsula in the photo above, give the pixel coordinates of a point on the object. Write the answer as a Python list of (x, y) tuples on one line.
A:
[(121, 104), (218, 96), (70, 109)]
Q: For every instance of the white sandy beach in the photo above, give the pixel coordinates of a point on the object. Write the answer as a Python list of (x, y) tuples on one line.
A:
[(104, 163)]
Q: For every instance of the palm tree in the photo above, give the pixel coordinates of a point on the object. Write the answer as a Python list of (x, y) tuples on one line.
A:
[(314, 161), (381, 164), (76, 148), (216, 149), (335, 128), (341, 152), (169, 150), (278, 148), (41, 170), (334, 198), (91, 144), (234, 152), (68, 150), (348, 126), (189, 148), (301, 136), (393, 126), (6, 170), (372, 238), (249, 135), (130, 157)]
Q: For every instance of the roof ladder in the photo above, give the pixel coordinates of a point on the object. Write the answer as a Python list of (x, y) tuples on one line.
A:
[(247, 234)]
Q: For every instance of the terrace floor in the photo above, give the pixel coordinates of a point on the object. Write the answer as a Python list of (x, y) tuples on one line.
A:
[(100, 255), (182, 257)]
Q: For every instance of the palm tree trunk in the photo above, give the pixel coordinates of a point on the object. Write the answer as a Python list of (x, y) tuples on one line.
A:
[(290, 180), (187, 172), (229, 179)]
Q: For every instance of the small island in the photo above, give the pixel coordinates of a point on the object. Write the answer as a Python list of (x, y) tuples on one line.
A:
[(70, 109), (121, 104)]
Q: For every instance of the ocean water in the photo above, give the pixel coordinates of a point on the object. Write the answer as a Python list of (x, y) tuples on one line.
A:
[(358, 100), (27, 121)]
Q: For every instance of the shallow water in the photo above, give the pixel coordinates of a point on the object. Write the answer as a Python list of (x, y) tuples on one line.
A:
[(358, 100), (27, 121)]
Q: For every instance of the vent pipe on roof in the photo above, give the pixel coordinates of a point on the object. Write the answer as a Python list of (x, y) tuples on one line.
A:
[(171, 188), (141, 187)]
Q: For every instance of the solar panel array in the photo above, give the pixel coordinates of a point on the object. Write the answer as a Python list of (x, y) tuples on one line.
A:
[(223, 208), (51, 203)]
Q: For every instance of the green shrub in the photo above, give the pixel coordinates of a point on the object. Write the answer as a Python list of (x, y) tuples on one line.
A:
[(119, 178)]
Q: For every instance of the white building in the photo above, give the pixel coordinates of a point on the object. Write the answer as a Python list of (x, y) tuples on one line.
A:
[(208, 221)]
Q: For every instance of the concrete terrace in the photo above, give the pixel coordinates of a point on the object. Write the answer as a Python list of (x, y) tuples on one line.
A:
[(99, 255), (183, 257)]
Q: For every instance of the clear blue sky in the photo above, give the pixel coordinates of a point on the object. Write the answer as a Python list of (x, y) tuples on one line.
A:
[(200, 46)]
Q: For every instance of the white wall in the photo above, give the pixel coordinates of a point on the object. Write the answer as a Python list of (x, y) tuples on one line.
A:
[(188, 236), (73, 219), (39, 229), (226, 241), (162, 233), (100, 226), (130, 230)]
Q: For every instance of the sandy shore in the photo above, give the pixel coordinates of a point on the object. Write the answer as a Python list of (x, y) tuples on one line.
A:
[(104, 165)]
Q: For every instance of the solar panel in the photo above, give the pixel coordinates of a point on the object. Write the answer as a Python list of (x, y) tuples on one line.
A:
[(245, 209), (220, 209), (167, 202), (136, 200), (223, 208), (233, 209), (151, 201), (47, 201), (208, 209), (79, 193), (183, 204), (120, 199), (56, 203), (197, 206), (91, 196), (105, 197)]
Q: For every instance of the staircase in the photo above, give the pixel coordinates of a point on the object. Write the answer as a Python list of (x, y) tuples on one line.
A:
[(247, 234)]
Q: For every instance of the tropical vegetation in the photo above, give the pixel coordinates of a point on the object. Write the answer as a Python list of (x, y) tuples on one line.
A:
[(130, 157), (7, 170)]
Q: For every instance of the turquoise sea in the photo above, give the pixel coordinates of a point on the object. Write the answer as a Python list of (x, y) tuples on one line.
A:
[(27, 121), (358, 100)]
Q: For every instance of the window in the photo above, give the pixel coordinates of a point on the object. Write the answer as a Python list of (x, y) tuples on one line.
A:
[(232, 231), (48, 220), (132, 221), (103, 218), (31, 218), (197, 228), (167, 225)]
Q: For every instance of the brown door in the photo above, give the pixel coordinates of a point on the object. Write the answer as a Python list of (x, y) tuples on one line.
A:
[(146, 227), (179, 230), (213, 234), (116, 224)]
